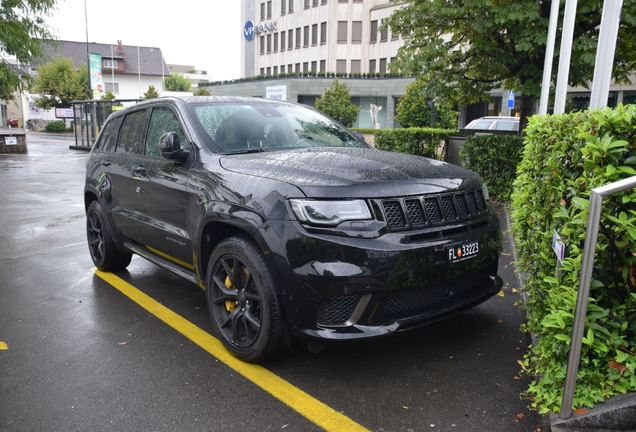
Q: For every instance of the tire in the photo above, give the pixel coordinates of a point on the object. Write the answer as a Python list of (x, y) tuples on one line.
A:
[(104, 253), (246, 313)]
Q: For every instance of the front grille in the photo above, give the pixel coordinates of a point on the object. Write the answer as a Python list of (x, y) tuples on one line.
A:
[(427, 210), (337, 310)]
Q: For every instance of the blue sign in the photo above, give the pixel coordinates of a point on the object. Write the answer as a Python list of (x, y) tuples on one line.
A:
[(511, 100), (248, 30)]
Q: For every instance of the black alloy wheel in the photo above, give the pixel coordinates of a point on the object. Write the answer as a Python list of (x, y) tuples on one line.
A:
[(104, 253), (246, 313)]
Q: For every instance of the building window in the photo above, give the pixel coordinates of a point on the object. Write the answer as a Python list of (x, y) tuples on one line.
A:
[(111, 64), (355, 66), (269, 71), (298, 37), (343, 1), (323, 2), (342, 31), (372, 66), (315, 3), (262, 45), (290, 9), (323, 32), (262, 71), (275, 70), (384, 34), (357, 1), (356, 32), (314, 34), (269, 43), (297, 68), (306, 36), (282, 69), (283, 7), (290, 40), (275, 42), (341, 66), (305, 67), (289, 68), (395, 36), (283, 41), (262, 11), (112, 87), (269, 9), (323, 65), (374, 31), (382, 66), (306, 4), (314, 66)]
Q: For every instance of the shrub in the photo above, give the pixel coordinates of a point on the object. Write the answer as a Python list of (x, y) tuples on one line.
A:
[(564, 158), (56, 126), (417, 141), (495, 158)]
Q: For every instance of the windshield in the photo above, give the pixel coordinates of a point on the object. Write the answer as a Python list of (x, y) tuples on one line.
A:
[(241, 128)]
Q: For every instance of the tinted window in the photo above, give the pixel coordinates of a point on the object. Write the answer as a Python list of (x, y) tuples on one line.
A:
[(163, 120), (108, 141), (482, 124), (132, 132), (507, 125)]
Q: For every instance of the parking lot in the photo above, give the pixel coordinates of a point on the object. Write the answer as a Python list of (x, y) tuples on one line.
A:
[(133, 350)]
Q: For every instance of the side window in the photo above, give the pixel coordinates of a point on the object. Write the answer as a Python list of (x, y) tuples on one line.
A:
[(163, 120), (108, 140), (132, 133)]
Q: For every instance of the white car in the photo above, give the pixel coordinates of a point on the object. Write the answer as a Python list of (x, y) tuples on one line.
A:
[(495, 123)]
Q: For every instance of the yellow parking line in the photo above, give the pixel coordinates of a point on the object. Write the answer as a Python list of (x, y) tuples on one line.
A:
[(306, 405), (3, 346)]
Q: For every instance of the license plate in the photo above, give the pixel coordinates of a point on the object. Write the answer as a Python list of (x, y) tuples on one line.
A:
[(462, 251)]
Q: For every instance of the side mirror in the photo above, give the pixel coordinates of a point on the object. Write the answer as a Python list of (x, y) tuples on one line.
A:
[(170, 147)]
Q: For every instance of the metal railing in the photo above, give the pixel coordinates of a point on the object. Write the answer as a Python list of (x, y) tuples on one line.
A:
[(580, 313)]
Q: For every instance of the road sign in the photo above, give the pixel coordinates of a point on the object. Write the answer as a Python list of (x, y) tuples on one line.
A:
[(511, 100)]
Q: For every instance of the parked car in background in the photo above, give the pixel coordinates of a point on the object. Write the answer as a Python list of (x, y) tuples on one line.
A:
[(291, 224), (495, 123)]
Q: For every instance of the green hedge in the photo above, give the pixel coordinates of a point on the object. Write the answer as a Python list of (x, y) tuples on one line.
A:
[(418, 141), (566, 156), (495, 158), (56, 126)]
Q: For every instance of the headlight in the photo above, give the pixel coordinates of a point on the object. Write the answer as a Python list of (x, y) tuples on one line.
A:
[(484, 191), (329, 212)]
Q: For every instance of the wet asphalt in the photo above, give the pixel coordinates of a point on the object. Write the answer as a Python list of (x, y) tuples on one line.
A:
[(82, 356)]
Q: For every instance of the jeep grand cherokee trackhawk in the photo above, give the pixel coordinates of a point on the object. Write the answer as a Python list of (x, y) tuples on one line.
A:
[(291, 224)]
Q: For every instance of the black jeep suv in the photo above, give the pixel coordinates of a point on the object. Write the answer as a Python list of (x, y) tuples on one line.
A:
[(292, 225)]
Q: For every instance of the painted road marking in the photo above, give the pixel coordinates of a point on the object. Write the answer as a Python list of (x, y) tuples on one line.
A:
[(306, 405), (3, 346)]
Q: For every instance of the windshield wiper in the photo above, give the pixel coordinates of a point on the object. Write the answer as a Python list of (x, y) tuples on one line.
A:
[(246, 151)]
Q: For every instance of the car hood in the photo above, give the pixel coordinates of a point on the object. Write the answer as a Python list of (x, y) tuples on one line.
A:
[(325, 172)]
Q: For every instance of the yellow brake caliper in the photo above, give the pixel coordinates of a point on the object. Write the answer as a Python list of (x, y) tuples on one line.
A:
[(229, 304)]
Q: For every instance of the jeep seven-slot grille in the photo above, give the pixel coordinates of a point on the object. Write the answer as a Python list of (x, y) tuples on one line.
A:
[(416, 212)]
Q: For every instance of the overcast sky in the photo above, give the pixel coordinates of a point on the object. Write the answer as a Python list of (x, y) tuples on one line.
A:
[(202, 33)]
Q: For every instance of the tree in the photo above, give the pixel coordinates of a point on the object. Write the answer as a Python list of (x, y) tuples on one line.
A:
[(22, 29), (413, 109), (202, 91), (151, 93), (108, 95), (59, 83), (336, 103), (177, 82), (462, 53)]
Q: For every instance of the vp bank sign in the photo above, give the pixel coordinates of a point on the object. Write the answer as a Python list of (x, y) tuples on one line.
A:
[(251, 29)]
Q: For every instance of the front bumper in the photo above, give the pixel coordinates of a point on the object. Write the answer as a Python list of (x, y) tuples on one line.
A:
[(338, 287)]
